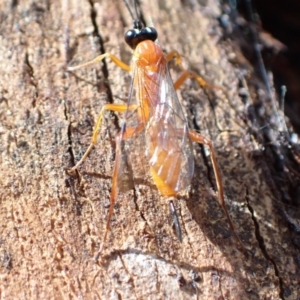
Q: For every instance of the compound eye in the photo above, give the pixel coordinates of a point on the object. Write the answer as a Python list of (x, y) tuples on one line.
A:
[(131, 38), (151, 33)]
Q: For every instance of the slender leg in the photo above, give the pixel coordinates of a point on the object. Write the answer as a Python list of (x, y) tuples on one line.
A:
[(123, 135), (111, 107), (120, 157), (99, 58), (198, 138), (189, 74)]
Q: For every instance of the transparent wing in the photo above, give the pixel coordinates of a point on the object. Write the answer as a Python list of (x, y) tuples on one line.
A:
[(161, 130), (131, 146), (169, 149)]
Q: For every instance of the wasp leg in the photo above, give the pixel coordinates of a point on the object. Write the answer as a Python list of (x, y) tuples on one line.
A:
[(99, 58), (189, 74), (119, 161), (112, 107), (198, 138)]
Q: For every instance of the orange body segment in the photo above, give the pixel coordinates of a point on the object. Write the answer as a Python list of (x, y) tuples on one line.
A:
[(163, 188), (170, 154), (147, 61)]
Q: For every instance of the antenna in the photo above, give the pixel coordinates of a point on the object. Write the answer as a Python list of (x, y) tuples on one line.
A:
[(137, 24), (136, 12), (135, 8)]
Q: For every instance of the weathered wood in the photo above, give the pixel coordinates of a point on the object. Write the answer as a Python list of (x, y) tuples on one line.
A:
[(51, 224)]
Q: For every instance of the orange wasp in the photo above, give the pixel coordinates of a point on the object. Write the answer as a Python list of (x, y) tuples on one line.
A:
[(155, 113)]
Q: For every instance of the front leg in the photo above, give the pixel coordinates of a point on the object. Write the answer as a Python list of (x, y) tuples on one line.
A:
[(111, 107), (186, 74), (99, 58)]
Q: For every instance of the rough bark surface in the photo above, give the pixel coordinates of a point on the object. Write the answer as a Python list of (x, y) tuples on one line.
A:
[(51, 223)]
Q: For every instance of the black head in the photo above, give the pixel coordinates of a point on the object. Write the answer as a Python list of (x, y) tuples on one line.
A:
[(139, 33)]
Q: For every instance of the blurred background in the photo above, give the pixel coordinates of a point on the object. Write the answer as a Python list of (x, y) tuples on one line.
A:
[(278, 25)]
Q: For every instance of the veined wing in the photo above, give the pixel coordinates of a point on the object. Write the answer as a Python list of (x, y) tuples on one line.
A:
[(130, 144), (169, 149), (166, 138)]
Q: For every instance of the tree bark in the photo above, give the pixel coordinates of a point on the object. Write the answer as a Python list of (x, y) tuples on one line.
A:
[(51, 223)]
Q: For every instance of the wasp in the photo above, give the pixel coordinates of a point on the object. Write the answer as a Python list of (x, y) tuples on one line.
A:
[(153, 110)]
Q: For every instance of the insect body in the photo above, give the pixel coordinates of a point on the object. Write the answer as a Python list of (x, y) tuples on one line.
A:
[(159, 116)]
